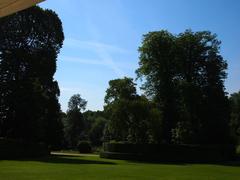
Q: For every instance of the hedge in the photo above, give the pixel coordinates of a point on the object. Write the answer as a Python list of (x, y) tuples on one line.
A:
[(12, 148), (169, 152)]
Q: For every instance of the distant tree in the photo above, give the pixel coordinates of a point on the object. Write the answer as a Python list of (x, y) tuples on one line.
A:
[(117, 126), (96, 131), (235, 115), (130, 116), (184, 75), (74, 122), (119, 93), (144, 121), (77, 103), (94, 125), (29, 108), (120, 89)]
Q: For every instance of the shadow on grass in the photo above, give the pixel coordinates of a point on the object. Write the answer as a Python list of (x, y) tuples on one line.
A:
[(64, 159), (233, 163), (77, 159), (136, 158)]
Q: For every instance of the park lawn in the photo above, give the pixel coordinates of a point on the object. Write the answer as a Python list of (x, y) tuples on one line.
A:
[(86, 167)]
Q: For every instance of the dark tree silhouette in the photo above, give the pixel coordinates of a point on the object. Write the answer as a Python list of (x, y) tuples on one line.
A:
[(158, 66), (95, 122), (185, 76), (120, 89), (131, 117), (74, 122), (96, 131), (29, 43)]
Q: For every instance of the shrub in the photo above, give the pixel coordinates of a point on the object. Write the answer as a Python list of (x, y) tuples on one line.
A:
[(84, 147)]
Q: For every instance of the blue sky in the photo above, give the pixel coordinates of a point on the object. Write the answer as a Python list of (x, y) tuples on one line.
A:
[(102, 38)]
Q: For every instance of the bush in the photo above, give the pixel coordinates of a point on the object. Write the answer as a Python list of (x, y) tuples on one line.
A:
[(12, 148), (84, 147), (169, 152)]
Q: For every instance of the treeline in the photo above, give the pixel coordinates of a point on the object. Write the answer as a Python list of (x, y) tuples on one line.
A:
[(81, 127), (130, 118), (184, 99)]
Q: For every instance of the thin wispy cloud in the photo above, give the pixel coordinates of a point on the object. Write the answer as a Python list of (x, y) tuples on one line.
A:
[(82, 60), (102, 50), (98, 62), (107, 59), (75, 43)]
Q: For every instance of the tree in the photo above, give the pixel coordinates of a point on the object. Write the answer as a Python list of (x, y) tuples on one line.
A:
[(158, 66), (94, 126), (120, 89), (119, 93), (235, 115), (96, 131), (130, 116), (29, 94), (144, 121), (77, 103), (74, 124), (184, 75)]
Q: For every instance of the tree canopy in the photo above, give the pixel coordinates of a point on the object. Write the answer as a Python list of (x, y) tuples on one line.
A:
[(131, 117), (30, 41), (185, 75), (120, 89), (76, 103)]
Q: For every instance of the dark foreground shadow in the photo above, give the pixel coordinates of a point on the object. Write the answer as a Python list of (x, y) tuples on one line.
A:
[(65, 159), (234, 163), (72, 159), (69, 159)]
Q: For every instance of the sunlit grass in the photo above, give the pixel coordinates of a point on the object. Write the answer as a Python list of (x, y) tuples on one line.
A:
[(93, 167)]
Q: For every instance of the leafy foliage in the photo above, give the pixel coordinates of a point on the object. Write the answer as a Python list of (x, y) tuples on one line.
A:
[(185, 76), (77, 103), (29, 43), (120, 89), (96, 131), (74, 121), (130, 116)]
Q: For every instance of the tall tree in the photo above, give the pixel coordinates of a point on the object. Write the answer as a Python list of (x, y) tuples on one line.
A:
[(158, 65), (184, 74), (29, 43)]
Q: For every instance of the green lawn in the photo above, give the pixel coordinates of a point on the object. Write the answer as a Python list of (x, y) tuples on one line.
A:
[(93, 167)]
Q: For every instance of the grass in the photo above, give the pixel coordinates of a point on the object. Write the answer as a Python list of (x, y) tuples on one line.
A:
[(84, 167)]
